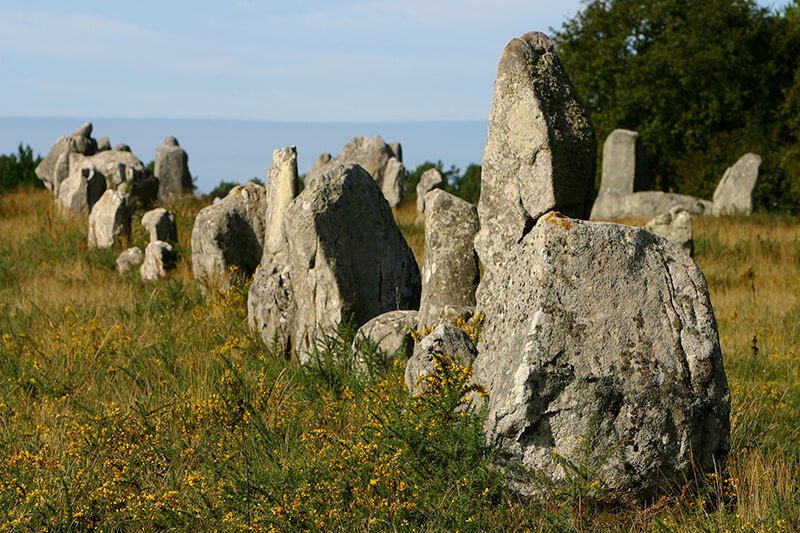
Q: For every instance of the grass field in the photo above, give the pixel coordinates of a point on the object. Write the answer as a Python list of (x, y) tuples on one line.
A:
[(127, 406)]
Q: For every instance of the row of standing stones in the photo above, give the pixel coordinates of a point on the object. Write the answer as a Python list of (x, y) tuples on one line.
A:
[(587, 327), (87, 176)]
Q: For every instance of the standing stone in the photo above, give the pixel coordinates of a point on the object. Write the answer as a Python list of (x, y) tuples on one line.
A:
[(230, 233), (625, 167), (606, 330), (282, 188), (129, 259), (540, 154), (390, 333), (348, 259), (430, 179), (393, 186), (735, 192), (159, 259), (450, 270), (81, 190), (446, 340), (676, 226), (646, 205), (116, 167), (103, 144), (161, 225), (53, 170), (397, 150), (321, 164), (172, 170), (109, 220)]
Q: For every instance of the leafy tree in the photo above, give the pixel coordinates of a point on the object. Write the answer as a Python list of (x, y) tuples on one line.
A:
[(703, 82), (222, 189), (18, 169), (469, 185)]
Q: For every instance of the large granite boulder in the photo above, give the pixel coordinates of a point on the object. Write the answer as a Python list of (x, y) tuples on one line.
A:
[(735, 192), (117, 167), (446, 340), (161, 225), (602, 330), (345, 257), (229, 234), (540, 154), (159, 259), (172, 170), (383, 340), (676, 226), (450, 271), (54, 168), (81, 190), (431, 179), (109, 220), (377, 158)]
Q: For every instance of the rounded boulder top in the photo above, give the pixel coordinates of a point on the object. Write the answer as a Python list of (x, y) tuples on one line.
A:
[(171, 141)]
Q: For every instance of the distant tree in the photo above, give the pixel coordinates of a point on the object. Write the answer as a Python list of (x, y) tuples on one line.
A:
[(469, 185), (18, 169), (222, 189)]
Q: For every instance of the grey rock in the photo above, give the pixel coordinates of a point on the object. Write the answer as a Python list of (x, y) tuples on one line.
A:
[(172, 170), (159, 259), (122, 147), (346, 255), (393, 185), (735, 192), (676, 226), (431, 179), (103, 144), (282, 187), (109, 220), (541, 150), (449, 341), (397, 150), (625, 167), (230, 234), (161, 225), (450, 270), (390, 333), (51, 170), (604, 329), (645, 205), (81, 190), (129, 259), (116, 167), (271, 309), (321, 164)]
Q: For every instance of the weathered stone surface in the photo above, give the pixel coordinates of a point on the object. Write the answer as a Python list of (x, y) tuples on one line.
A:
[(391, 333), (375, 156), (735, 192), (129, 259), (431, 179), (161, 225), (346, 255), (230, 233), (541, 150), (159, 259), (122, 147), (172, 170), (81, 190), (109, 220), (103, 144), (625, 167), (450, 270), (397, 150), (116, 167), (646, 205), (604, 328), (282, 188), (676, 226), (53, 170), (447, 340)]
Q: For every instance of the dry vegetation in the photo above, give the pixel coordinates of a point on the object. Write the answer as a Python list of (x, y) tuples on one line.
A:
[(127, 406)]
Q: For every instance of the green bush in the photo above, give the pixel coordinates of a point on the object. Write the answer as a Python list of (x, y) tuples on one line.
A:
[(18, 169)]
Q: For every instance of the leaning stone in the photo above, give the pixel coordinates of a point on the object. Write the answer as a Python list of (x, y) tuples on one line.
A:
[(81, 190), (625, 167), (161, 225), (51, 170), (450, 270), (383, 340), (103, 144), (431, 179), (735, 192), (159, 259), (541, 150), (348, 259), (646, 205), (172, 170), (122, 147), (230, 234), (129, 259), (603, 330), (393, 187), (109, 220), (446, 340), (676, 226)]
